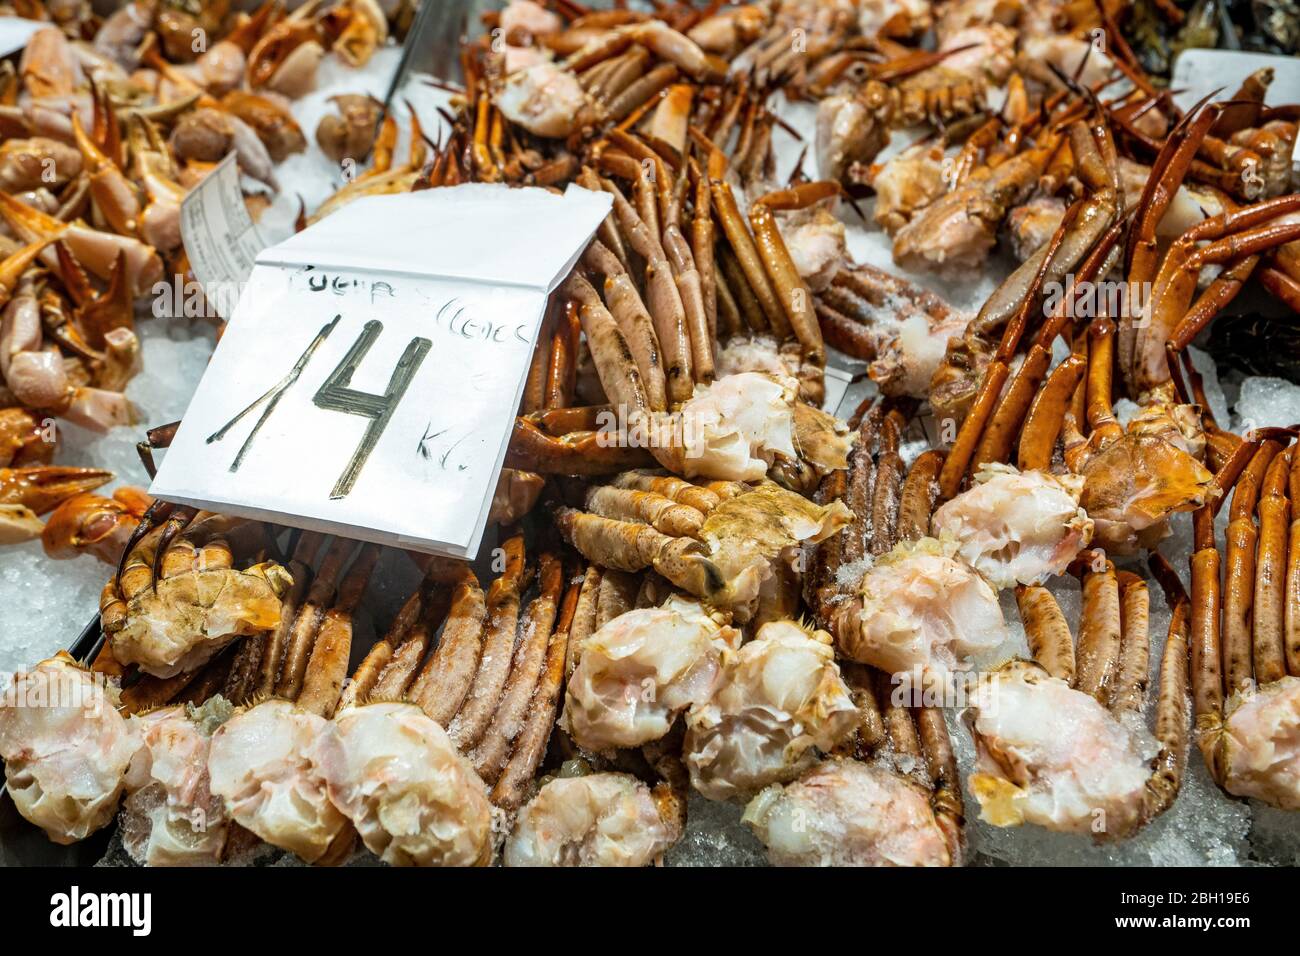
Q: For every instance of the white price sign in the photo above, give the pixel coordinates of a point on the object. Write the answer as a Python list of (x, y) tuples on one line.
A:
[(367, 382)]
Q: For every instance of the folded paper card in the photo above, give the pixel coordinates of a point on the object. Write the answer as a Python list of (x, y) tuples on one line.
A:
[(368, 379)]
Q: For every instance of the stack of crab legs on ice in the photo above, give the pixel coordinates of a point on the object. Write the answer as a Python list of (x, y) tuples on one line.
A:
[(707, 587)]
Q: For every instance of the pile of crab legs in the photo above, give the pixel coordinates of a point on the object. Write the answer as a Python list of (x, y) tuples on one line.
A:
[(650, 534), (107, 125)]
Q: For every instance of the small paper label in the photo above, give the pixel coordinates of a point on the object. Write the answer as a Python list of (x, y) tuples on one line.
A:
[(221, 239), (15, 32), (367, 382)]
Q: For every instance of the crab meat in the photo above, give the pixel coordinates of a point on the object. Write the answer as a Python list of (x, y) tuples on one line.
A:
[(780, 697), (1069, 54), (264, 764), (531, 18), (65, 747), (848, 136), (907, 184), (921, 610), (603, 819), (1052, 755), (640, 670), (545, 100), (1261, 745), (991, 54), (846, 813), (734, 428), (1016, 527), (413, 798), (817, 245), (171, 817)]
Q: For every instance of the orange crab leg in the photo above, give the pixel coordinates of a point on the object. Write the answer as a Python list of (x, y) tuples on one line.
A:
[(1270, 572), (1239, 570)]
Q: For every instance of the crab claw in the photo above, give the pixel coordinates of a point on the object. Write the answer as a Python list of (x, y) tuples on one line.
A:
[(44, 487), (112, 192), (13, 266), (93, 524), (97, 251), (18, 523)]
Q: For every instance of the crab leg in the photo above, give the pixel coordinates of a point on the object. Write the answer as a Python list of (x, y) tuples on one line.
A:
[(999, 437), (366, 677), (1270, 572), (502, 616), (400, 671), (732, 277), (530, 745), (793, 293), (742, 244), (1171, 707), (1043, 422), (1239, 568), (257, 661), (1099, 630), (609, 349), (629, 546), (440, 687), (328, 666), (663, 298), (584, 618), (919, 493), (995, 376), (682, 492), (647, 507), (945, 781), (615, 597), (1047, 632), (861, 485), (633, 319), (530, 658), (1131, 674), (885, 494), (307, 622)]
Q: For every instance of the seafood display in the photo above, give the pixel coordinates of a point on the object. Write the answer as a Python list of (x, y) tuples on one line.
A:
[(874, 629)]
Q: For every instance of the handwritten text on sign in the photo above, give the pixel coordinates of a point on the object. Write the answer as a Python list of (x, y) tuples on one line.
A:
[(376, 404)]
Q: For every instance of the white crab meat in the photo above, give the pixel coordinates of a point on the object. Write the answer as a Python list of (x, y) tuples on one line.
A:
[(1053, 756), (263, 763), (908, 183), (1261, 745), (531, 18), (991, 53), (734, 428), (413, 798), (640, 670), (847, 135), (817, 245), (758, 353), (65, 747), (170, 816), (923, 611), (780, 697), (602, 819), (545, 100), (847, 813), (1016, 527)]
